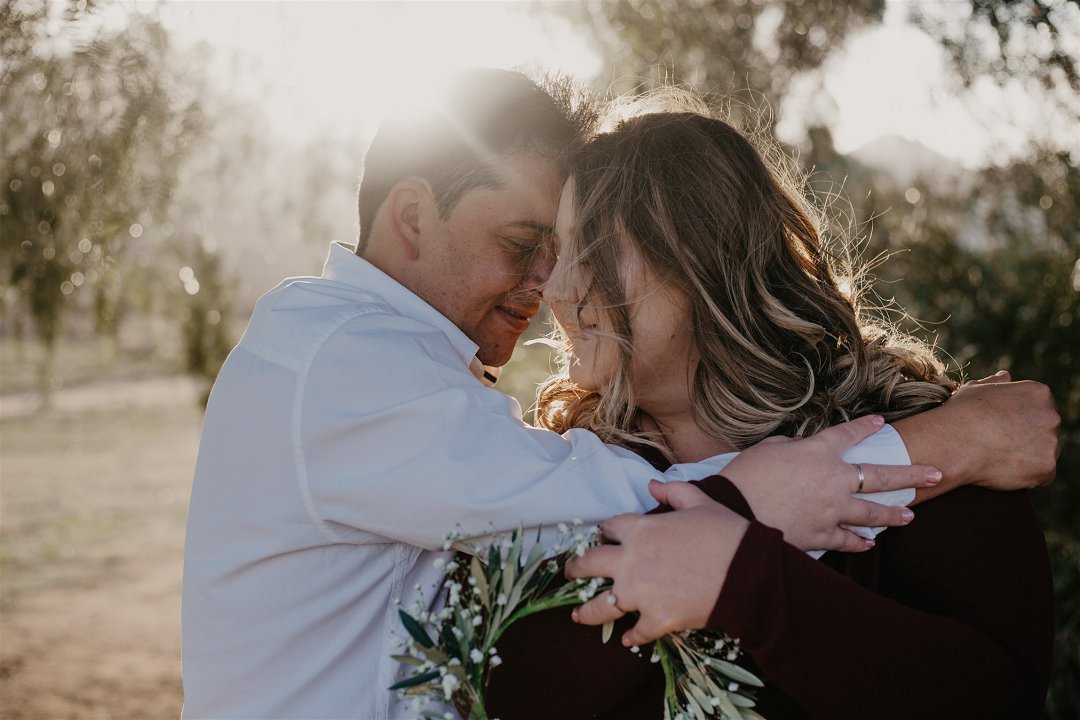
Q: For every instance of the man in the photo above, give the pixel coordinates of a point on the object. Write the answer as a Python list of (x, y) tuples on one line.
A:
[(351, 428)]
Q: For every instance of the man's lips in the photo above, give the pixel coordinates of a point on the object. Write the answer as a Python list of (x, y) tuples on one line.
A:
[(521, 313), (518, 317)]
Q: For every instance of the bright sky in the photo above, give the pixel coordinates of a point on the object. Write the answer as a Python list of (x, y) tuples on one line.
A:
[(327, 65), (334, 63)]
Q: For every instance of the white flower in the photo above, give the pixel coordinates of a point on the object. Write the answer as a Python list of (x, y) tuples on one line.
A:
[(732, 687), (578, 522), (502, 599), (496, 661), (449, 685), (477, 620), (440, 563), (563, 528), (476, 656)]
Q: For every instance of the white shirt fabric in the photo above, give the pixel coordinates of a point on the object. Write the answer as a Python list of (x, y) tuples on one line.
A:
[(344, 438)]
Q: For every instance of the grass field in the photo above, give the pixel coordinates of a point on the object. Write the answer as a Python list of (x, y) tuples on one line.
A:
[(93, 513)]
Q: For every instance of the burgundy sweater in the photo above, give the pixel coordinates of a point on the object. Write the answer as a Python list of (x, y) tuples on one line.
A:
[(949, 617)]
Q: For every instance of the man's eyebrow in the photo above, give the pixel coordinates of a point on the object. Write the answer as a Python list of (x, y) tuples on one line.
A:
[(536, 227)]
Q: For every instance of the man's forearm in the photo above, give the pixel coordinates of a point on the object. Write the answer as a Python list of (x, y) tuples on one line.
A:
[(929, 442)]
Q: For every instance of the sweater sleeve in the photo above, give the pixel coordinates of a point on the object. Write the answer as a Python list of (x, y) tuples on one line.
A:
[(961, 625)]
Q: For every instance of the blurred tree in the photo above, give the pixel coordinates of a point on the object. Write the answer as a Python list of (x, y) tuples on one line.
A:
[(755, 45), (205, 316), (93, 122)]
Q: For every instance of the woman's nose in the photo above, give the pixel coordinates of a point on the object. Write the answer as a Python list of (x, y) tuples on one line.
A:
[(553, 287)]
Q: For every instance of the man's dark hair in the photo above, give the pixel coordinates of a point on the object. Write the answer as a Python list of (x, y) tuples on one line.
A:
[(483, 115)]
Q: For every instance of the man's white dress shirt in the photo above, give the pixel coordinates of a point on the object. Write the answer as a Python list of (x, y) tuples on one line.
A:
[(344, 438)]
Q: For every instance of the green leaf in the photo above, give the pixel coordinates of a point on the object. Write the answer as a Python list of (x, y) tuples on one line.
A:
[(735, 672), (408, 659), (741, 700), (700, 698), (729, 710), (477, 571), (416, 680), (414, 629)]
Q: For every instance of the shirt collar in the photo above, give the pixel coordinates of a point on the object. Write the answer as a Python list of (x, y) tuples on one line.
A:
[(346, 267)]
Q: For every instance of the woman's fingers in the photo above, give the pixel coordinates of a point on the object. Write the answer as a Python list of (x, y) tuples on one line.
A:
[(603, 608), (841, 540), (678, 495), (880, 478), (641, 634), (615, 529), (870, 514), (841, 437), (600, 561), (1001, 376)]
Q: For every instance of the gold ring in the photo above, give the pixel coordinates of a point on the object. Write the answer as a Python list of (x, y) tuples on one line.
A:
[(859, 474)]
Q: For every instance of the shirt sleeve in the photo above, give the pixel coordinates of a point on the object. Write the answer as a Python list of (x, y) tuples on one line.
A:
[(962, 624), (396, 440)]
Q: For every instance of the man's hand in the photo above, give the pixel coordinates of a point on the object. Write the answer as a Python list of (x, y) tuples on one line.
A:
[(657, 566), (995, 433), (804, 489)]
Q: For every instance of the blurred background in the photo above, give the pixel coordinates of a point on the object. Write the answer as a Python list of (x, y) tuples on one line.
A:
[(163, 164)]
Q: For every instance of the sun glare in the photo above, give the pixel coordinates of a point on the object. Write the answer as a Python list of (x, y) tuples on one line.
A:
[(337, 65)]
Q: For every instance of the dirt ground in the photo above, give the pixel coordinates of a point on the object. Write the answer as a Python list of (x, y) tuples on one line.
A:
[(93, 502)]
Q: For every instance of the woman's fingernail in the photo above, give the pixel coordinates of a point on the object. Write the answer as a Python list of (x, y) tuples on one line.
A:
[(870, 542), (574, 616), (877, 420), (907, 515), (933, 475)]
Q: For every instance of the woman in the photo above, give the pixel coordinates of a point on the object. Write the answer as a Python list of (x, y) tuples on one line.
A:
[(702, 313)]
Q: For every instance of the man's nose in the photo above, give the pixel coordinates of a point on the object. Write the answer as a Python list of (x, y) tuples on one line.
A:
[(538, 273)]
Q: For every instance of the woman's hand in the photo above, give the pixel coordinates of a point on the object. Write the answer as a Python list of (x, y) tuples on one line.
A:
[(995, 433), (803, 488), (657, 565)]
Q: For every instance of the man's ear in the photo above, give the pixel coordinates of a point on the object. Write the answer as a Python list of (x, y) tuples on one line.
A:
[(408, 205)]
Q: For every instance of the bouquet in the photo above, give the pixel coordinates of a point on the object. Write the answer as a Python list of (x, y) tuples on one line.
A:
[(451, 652)]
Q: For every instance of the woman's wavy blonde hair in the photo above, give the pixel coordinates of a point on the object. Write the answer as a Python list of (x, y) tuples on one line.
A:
[(783, 350)]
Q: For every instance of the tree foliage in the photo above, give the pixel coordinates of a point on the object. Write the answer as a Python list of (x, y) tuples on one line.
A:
[(95, 124)]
